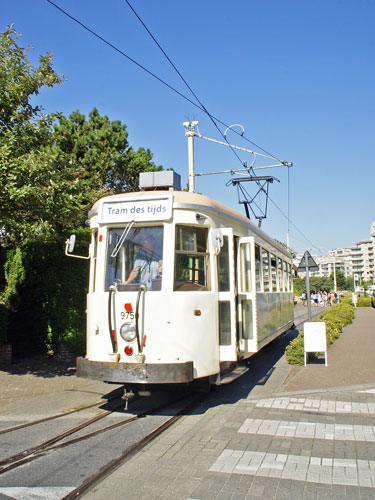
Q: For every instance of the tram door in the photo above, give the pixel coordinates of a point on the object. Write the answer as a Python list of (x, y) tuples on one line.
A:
[(227, 298), (246, 295)]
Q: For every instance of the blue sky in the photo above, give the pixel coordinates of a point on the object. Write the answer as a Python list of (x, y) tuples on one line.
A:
[(298, 75)]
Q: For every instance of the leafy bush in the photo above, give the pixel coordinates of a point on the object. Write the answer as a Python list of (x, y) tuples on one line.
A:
[(335, 319), (45, 296), (362, 301)]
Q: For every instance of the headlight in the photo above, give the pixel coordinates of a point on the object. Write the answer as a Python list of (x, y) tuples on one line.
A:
[(128, 332)]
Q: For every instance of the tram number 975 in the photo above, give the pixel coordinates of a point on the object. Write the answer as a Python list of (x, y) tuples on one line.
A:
[(127, 315)]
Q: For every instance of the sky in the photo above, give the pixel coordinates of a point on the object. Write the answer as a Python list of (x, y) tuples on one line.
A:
[(297, 75)]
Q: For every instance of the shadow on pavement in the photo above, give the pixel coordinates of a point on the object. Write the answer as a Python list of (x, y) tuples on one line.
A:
[(46, 368)]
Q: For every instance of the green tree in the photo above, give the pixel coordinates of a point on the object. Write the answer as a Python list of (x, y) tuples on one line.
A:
[(299, 285), (25, 135), (99, 152), (340, 280), (53, 168), (19, 80), (323, 284)]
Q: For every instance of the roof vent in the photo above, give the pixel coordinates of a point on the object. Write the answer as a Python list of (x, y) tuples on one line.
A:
[(164, 180)]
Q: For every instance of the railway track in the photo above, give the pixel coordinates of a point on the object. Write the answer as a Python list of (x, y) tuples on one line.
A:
[(168, 411), (132, 450)]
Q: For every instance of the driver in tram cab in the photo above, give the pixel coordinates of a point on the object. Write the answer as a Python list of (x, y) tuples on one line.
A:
[(147, 264)]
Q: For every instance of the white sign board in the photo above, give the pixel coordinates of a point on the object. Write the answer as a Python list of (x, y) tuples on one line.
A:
[(315, 339), (135, 209)]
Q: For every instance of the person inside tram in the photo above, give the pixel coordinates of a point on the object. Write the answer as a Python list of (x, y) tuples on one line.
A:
[(147, 264)]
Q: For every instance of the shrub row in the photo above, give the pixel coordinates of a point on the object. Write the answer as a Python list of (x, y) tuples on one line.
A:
[(43, 297), (362, 301), (335, 319)]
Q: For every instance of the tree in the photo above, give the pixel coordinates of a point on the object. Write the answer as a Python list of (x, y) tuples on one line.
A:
[(53, 168), (25, 135), (340, 280), (323, 284), (99, 151), (19, 80)]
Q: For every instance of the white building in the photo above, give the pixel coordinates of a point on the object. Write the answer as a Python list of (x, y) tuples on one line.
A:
[(357, 261), (363, 260)]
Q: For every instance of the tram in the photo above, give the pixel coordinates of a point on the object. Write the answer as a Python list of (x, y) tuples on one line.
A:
[(182, 288)]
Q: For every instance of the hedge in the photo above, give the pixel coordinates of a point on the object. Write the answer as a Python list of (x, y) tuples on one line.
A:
[(362, 301), (44, 297), (335, 319)]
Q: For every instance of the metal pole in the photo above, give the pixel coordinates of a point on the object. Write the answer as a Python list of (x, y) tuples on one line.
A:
[(308, 288), (334, 275), (190, 136)]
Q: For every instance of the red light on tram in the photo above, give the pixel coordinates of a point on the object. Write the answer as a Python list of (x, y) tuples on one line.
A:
[(128, 350), (197, 312), (100, 238), (128, 307)]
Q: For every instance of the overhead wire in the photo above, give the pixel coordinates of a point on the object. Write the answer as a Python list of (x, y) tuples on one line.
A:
[(122, 53), (251, 171), (200, 106)]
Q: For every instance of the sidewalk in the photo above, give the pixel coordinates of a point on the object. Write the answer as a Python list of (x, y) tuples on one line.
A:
[(351, 359)]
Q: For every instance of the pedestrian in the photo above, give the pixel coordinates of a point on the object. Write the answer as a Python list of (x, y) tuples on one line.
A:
[(354, 299)]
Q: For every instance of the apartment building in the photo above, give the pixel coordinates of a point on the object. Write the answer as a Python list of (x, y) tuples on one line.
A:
[(358, 261)]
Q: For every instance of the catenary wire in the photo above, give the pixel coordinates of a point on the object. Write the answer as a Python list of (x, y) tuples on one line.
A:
[(199, 106), (122, 53), (183, 79)]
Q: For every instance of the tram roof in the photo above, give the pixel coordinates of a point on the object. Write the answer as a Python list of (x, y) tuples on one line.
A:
[(194, 201)]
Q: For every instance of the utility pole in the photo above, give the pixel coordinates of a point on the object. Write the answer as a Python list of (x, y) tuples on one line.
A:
[(306, 256), (334, 274), (190, 133), (307, 263)]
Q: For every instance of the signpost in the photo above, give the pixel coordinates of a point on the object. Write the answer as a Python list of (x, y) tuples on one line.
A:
[(307, 263)]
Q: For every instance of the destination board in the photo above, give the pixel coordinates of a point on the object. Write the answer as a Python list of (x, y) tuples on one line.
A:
[(135, 209)]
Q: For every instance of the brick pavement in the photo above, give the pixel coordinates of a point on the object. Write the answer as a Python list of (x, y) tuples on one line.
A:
[(34, 388), (308, 441), (302, 444)]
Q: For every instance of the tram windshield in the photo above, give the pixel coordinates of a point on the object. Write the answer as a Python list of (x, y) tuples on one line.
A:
[(134, 258)]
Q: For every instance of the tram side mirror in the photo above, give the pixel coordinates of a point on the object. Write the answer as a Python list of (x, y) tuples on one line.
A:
[(69, 247), (71, 243), (217, 240)]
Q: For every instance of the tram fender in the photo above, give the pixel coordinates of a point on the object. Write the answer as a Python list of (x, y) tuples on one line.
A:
[(135, 373)]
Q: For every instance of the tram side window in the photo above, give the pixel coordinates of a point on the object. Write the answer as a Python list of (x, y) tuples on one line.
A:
[(280, 274), (273, 273), (285, 276), (223, 267), (191, 259), (134, 258), (266, 270), (258, 269), (290, 278), (245, 269), (224, 322)]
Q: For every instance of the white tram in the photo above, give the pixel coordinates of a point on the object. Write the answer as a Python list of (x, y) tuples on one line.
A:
[(182, 288)]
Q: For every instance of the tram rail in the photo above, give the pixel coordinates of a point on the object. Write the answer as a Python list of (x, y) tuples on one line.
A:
[(53, 444), (132, 450)]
